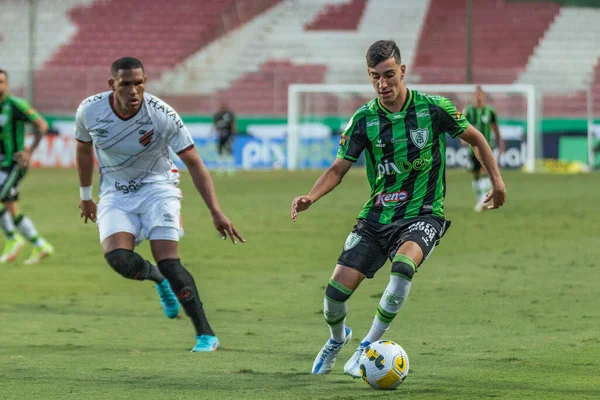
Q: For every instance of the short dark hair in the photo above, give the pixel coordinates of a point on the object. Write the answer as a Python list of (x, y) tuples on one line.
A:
[(4, 72), (125, 63), (381, 50)]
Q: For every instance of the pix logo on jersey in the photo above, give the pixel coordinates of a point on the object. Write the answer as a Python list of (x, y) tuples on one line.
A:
[(146, 137)]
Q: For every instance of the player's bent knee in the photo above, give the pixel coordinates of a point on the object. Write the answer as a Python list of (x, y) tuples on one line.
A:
[(337, 292), (180, 279), (128, 264), (403, 266)]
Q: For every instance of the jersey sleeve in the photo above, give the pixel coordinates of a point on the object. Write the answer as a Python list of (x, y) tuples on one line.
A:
[(82, 133), (353, 140), (449, 119), (24, 111), (179, 138)]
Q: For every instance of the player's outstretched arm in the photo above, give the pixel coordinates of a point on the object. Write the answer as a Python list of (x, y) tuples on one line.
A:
[(204, 184), (326, 183), (84, 160), (484, 154)]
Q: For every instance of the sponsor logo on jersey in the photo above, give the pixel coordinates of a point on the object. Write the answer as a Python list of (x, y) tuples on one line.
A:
[(374, 122), (3, 119), (485, 119), (146, 137), (105, 121), (419, 137), (380, 143), (423, 114), (147, 122), (130, 187), (153, 101), (101, 133), (383, 198), (391, 168)]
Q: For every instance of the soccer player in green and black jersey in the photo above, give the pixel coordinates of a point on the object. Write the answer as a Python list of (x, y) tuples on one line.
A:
[(402, 133), (483, 117), (14, 160)]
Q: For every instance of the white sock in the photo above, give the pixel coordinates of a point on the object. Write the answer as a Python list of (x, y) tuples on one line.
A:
[(476, 189), (27, 229), (394, 296), (335, 316), (485, 185), (7, 224)]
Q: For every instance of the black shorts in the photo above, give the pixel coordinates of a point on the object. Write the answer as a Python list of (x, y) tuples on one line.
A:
[(475, 164), (225, 145), (371, 244), (9, 180)]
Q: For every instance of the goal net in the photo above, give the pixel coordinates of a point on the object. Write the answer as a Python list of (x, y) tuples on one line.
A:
[(317, 113)]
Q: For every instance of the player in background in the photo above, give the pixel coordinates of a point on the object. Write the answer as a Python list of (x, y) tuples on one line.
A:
[(402, 132), (483, 117), (225, 128), (131, 132), (14, 161)]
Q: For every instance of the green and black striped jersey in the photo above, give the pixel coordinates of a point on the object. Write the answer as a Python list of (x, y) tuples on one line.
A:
[(14, 112), (482, 119), (405, 155)]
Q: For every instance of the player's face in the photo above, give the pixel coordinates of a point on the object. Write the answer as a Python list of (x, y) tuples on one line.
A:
[(3, 84), (128, 87), (479, 98), (387, 79)]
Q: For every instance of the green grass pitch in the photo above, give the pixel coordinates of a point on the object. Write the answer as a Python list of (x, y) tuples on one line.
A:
[(507, 306)]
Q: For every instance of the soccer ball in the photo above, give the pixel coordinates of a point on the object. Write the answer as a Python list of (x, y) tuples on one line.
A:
[(383, 365)]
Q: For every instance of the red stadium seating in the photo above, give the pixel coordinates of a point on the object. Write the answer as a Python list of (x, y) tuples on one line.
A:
[(263, 92), (163, 36), (441, 53), (339, 17)]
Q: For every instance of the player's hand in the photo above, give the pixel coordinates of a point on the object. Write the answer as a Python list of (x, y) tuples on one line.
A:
[(88, 210), (226, 228), (299, 204), (23, 158), (495, 197)]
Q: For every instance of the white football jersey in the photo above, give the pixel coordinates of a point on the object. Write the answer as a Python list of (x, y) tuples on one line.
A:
[(134, 151)]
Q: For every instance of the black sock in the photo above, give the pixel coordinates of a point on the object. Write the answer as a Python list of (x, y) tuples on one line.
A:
[(185, 289), (154, 274)]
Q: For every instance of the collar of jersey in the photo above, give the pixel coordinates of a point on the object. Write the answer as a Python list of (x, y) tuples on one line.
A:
[(395, 116)]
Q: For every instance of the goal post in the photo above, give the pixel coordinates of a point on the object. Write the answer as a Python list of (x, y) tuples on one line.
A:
[(296, 91)]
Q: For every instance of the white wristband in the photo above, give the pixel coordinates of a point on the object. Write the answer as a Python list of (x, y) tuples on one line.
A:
[(85, 193)]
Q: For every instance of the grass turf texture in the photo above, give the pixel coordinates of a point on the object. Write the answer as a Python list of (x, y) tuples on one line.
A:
[(506, 307)]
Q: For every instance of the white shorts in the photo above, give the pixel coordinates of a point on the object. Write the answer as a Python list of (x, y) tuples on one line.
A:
[(153, 212)]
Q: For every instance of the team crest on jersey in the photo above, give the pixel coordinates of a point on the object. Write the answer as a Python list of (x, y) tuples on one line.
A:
[(352, 240), (146, 137), (419, 137), (485, 119)]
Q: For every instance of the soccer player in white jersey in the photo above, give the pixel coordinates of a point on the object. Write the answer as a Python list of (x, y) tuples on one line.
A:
[(131, 132)]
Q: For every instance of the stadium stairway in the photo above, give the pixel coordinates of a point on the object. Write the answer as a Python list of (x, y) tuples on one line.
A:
[(504, 35), (162, 37), (279, 47), (53, 28)]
